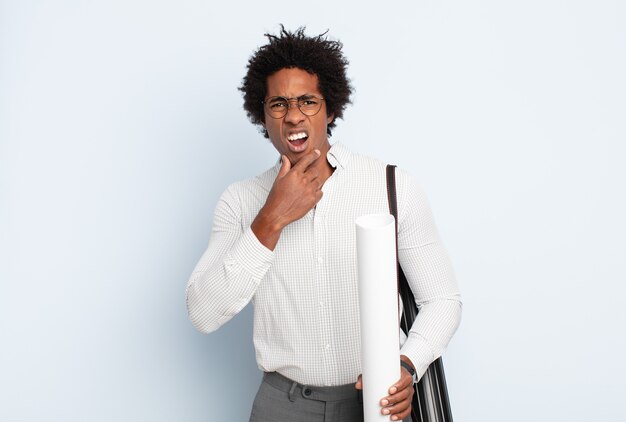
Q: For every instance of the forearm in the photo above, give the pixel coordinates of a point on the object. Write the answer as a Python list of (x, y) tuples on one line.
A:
[(222, 284), (267, 229), (431, 332), (433, 283), (431, 277)]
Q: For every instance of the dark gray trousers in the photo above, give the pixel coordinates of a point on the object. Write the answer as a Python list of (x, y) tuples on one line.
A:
[(280, 399)]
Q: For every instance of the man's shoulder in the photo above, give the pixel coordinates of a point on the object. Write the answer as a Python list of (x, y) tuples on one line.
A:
[(256, 186), (369, 164), (358, 162), (366, 161)]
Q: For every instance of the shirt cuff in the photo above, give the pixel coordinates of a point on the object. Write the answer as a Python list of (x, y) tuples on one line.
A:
[(252, 255), (418, 350)]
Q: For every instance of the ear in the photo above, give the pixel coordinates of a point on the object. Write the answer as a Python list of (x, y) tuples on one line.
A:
[(330, 118)]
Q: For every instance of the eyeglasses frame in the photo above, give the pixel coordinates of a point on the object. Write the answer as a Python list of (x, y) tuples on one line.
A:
[(289, 100)]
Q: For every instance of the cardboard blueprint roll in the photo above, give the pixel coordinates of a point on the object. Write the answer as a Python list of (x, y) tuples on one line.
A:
[(378, 306)]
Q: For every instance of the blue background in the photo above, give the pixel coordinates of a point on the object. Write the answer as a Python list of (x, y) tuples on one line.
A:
[(120, 126)]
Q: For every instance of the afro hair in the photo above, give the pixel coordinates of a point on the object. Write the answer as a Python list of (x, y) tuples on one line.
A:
[(317, 55)]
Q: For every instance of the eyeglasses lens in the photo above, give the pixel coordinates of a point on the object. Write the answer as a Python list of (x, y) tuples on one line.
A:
[(277, 107)]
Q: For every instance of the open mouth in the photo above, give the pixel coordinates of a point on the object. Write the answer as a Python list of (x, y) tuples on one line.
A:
[(297, 141)]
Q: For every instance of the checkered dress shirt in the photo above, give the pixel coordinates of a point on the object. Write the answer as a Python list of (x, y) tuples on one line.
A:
[(305, 296)]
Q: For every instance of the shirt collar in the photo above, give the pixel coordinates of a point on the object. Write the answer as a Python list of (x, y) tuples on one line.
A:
[(338, 155)]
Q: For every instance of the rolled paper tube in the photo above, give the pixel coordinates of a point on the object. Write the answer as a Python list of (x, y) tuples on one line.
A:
[(378, 307)]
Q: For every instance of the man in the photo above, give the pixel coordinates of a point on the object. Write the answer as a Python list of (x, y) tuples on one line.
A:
[(285, 240)]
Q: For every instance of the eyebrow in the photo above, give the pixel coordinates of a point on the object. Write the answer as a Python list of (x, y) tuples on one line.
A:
[(301, 97)]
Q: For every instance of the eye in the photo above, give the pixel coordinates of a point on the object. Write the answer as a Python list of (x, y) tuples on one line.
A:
[(307, 100), (277, 103)]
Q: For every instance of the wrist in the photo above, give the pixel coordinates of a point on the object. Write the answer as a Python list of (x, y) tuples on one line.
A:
[(266, 229), (406, 363), (270, 220)]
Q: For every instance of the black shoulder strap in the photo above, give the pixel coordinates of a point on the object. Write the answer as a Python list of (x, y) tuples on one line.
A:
[(391, 192), (434, 405), (409, 308)]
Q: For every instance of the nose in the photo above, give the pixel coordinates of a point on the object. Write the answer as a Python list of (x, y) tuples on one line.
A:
[(294, 115)]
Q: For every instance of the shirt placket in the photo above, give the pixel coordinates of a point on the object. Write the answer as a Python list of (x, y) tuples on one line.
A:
[(323, 280)]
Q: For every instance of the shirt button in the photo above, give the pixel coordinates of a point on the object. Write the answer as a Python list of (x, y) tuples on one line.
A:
[(320, 259), (321, 303), (327, 347)]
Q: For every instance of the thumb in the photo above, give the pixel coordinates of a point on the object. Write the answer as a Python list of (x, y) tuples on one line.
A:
[(285, 166)]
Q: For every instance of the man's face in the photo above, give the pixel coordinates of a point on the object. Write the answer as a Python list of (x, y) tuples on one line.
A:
[(296, 134)]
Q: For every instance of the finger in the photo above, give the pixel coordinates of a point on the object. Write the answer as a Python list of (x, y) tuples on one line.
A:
[(318, 196), (307, 160), (398, 397), (401, 415), (311, 176), (285, 166), (359, 383), (405, 380), (401, 409)]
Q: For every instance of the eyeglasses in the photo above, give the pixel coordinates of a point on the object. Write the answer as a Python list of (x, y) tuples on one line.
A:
[(277, 107)]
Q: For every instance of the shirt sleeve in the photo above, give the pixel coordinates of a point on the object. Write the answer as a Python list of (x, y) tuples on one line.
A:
[(431, 277), (229, 271)]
